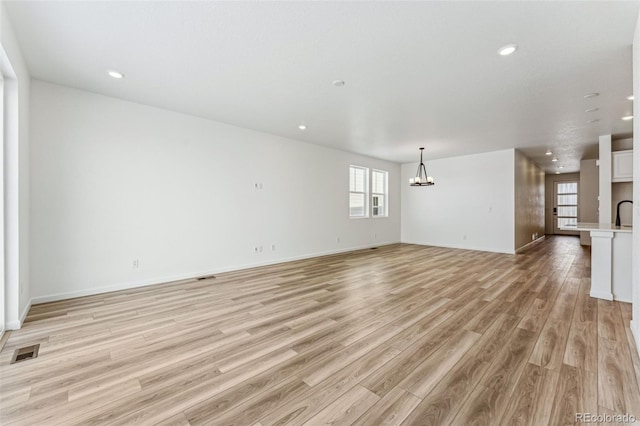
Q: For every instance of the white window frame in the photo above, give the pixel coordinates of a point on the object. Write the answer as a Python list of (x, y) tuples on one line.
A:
[(384, 194), (365, 193)]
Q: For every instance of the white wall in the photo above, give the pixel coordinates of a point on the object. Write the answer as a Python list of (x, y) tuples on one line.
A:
[(635, 326), (114, 181), (16, 180), (471, 205), (529, 214)]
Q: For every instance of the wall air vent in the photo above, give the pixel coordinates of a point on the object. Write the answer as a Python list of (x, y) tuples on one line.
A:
[(206, 277)]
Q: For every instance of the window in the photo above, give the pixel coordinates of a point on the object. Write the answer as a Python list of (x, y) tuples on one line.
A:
[(379, 191), (358, 191)]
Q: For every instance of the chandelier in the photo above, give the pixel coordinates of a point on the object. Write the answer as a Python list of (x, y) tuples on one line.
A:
[(421, 179)]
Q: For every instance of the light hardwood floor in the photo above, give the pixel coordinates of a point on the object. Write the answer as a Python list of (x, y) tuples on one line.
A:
[(403, 334)]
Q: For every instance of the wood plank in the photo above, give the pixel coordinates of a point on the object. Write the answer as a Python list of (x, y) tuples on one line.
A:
[(427, 375), (533, 397), (488, 401), (388, 377), (576, 393), (347, 408), (611, 383), (247, 412), (178, 420), (609, 321), (441, 405), (302, 407), (392, 409), (550, 348)]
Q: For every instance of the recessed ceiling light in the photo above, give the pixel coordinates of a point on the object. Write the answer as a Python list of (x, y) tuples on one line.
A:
[(507, 50), (338, 83), (554, 159), (630, 98), (627, 117), (591, 110), (115, 74), (302, 127), (591, 95), (557, 173), (561, 167), (548, 152), (595, 120)]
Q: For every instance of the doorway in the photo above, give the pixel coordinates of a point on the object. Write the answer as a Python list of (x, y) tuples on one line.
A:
[(565, 206)]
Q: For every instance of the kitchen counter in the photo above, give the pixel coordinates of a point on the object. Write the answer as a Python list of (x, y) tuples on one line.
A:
[(587, 226), (610, 259)]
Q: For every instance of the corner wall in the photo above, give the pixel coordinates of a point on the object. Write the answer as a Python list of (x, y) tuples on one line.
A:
[(529, 201), (471, 206), (114, 181), (16, 182)]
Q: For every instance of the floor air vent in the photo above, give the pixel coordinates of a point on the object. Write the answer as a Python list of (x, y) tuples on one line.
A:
[(26, 353), (206, 277)]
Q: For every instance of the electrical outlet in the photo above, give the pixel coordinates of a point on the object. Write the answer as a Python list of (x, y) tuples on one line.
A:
[(273, 247), (375, 236), (464, 237), (135, 263), (337, 239)]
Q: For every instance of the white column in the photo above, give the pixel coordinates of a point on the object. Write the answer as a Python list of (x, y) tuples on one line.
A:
[(621, 283), (601, 264), (604, 185)]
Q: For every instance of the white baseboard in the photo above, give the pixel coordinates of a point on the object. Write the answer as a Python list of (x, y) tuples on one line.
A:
[(601, 295), (454, 246), (190, 275), (16, 325), (526, 246)]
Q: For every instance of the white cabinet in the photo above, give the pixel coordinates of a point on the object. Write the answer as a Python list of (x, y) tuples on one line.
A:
[(622, 166)]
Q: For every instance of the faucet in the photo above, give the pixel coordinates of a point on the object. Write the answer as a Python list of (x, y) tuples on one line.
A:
[(618, 210)]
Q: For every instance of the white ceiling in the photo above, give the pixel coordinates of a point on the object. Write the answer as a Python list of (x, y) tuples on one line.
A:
[(416, 73)]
